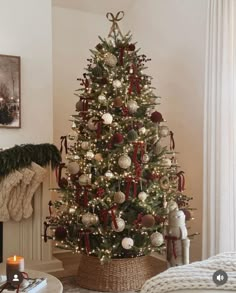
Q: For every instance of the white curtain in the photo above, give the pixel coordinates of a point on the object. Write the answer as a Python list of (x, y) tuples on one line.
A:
[(219, 195)]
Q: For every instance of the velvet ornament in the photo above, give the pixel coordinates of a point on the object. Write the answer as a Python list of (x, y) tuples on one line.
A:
[(148, 221), (156, 117), (118, 138)]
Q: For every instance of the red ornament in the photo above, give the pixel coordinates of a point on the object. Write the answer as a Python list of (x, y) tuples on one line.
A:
[(60, 233), (131, 47), (148, 221), (118, 138), (188, 215), (156, 117)]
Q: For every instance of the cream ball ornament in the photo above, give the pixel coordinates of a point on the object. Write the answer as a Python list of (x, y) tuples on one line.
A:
[(142, 130), (86, 219), (163, 131), (110, 59), (132, 106), (117, 83), (94, 219), (145, 158), (85, 145), (157, 239), (92, 124), (102, 99), (127, 243), (109, 174), (142, 195), (98, 157), (89, 155), (107, 118), (120, 225), (73, 168), (124, 161), (84, 180), (166, 162), (119, 197)]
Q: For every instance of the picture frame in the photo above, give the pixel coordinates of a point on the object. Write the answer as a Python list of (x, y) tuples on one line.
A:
[(10, 91)]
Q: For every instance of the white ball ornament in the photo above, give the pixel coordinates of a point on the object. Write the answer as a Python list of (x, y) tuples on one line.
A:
[(124, 161), (107, 118), (89, 155), (71, 210), (163, 131), (166, 162), (120, 225), (109, 174), (101, 99), (85, 145), (84, 180), (132, 106), (157, 239), (117, 83), (142, 195), (110, 59), (142, 130), (91, 124), (73, 168), (119, 197), (86, 219), (127, 243), (145, 158)]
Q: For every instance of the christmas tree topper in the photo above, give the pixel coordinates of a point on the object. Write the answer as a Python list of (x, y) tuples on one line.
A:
[(114, 19)]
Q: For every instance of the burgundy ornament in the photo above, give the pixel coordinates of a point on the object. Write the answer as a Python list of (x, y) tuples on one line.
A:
[(156, 117), (131, 47), (118, 138), (60, 233), (104, 80), (99, 47), (148, 221)]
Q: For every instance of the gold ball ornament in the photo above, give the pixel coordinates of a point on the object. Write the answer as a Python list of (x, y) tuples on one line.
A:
[(120, 225), (157, 239), (92, 124), (73, 168), (124, 161), (94, 219), (84, 180), (127, 243), (98, 157), (86, 219), (117, 102), (89, 155), (85, 145), (163, 131), (148, 221), (119, 197), (110, 59), (132, 106), (107, 118), (142, 195), (164, 182), (117, 83)]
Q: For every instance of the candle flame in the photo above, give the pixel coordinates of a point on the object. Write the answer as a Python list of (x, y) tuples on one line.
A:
[(14, 257)]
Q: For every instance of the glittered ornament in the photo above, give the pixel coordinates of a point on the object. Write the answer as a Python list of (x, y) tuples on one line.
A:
[(148, 221), (92, 124), (60, 233), (94, 219), (119, 197), (110, 59), (117, 83), (107, 118), (117, 138), (127, 243), (89, 155), (117, 102), (85, 145), (97, 71), (102, 99), (163, 131), (120, 225), (188, 215), (142, 130), (84, 180), (157, 149), (86, 219), (166, 162), (171, 206), (142, 195), (156, 117), (164, 182), (109, 174), (157, 239), (145, 158), (73, 168), (132, 106), (98, 157), (124, 161), (132, 135)]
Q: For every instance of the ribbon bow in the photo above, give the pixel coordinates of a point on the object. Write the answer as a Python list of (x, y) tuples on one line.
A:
[(64, 139), (114, 19), (84, 235)]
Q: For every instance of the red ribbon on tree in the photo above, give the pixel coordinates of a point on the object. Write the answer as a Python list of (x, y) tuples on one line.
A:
[(181, 181), (85, 103), (58, 172), (138, 220), (121, 56), (125, 111), (64, 139), (128, 182), (100, 191), (172, 141), (84, 235), (134, 81), (104, 216), (99, 123), (171, 246), (138, 145)]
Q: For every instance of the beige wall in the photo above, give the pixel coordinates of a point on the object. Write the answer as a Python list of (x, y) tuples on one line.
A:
[(172, 33), (25, 30)]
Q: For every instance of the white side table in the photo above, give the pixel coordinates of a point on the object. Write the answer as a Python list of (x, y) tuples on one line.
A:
[(53, 284)]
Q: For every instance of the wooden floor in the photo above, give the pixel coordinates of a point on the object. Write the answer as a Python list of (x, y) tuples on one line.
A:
[(70, 264)]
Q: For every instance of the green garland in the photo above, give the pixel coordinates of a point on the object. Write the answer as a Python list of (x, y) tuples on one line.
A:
[(21, 156)]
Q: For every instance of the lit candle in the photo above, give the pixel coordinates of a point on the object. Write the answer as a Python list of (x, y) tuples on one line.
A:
[(14, 263)]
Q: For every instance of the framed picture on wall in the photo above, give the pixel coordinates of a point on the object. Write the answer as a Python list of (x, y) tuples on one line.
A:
[(10, 92)]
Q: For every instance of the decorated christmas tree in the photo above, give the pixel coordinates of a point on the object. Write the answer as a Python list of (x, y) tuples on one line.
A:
[(121, 180)]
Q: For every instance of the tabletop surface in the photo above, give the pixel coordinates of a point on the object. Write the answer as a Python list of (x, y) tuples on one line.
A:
[(53, 284)]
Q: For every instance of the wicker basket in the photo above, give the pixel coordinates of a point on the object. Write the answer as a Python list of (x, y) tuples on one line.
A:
[(118, 275)]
